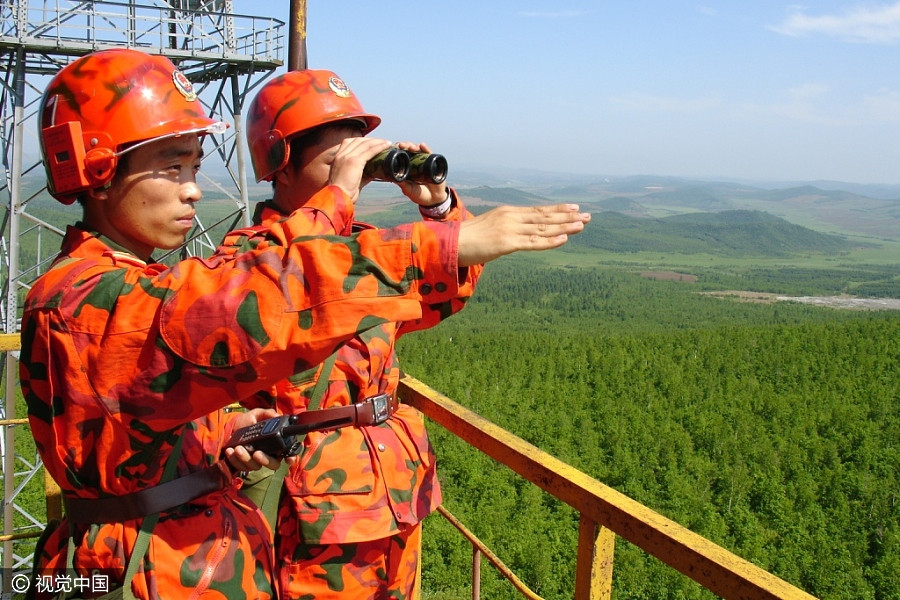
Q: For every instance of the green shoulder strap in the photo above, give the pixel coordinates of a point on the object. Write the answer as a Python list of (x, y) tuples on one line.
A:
[(272, 494), (142, 544)]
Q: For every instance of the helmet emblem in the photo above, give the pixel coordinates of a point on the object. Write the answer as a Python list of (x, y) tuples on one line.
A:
[(184, 85), (339, 88)]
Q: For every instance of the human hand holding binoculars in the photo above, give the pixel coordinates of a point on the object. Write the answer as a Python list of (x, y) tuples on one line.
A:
[(397, 165)]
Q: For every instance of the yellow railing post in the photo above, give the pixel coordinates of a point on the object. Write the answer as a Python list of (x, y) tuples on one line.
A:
[(594, 566), (476, 573), (479, 550), (54, 498)]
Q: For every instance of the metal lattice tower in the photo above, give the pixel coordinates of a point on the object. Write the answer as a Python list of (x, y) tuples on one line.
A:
[(225, 56)]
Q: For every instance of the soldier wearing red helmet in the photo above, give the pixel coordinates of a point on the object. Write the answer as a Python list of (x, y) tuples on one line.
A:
[(120, 132), (294, 103), (349, 524), (126, 364)]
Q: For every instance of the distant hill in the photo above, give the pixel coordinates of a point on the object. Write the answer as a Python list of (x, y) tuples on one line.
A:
[(503, 195), (829, 210), (622, 205), (678, 216), (726, 233), (695, 196)]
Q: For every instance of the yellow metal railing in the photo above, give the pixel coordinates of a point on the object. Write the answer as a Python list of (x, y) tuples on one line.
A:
[(479, 550), (9, 341), (604, 512)]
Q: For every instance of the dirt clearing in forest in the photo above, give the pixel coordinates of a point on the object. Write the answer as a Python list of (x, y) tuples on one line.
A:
[(846, 302), (669, 276)]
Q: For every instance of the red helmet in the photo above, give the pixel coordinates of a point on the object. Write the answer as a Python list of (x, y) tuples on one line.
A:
[(101, 105), (293, 103)]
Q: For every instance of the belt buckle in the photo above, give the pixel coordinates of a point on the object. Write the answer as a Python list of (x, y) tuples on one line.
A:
[(381, 408)]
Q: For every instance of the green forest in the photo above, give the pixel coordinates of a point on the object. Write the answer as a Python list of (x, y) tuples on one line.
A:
[(771, 429)]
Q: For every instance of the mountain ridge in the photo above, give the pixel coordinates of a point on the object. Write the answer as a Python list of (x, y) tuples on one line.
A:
[(836, 211), (726, 233)]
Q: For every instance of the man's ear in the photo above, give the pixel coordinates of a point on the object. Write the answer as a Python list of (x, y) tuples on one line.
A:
[(99, 194), (282, 176)]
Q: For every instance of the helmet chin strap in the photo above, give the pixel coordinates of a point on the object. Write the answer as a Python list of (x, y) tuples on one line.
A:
[(218, 127)]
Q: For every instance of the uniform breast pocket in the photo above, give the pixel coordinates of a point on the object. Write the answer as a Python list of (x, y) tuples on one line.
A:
[(334, 463)]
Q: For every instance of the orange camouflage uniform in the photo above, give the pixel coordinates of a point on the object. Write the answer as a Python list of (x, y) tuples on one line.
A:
[(349, 524), (119, 355)]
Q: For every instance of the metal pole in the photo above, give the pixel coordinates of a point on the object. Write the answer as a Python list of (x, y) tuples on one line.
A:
[(12, 306), (297, 37), (240, 151), (476, 573)]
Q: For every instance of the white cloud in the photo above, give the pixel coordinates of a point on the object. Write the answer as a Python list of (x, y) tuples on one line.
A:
[(868, 24)]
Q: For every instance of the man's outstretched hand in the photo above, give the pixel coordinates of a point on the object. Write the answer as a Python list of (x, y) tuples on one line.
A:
[(509, 229)]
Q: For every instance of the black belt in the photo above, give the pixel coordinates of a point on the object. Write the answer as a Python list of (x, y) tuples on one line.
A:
[(282, 436), (158, 498), (371, 411)]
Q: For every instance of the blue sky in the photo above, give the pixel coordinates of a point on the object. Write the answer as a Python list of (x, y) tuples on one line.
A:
[(758, 90)]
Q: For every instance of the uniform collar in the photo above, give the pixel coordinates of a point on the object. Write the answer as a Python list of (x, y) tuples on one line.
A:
[(81, 242)]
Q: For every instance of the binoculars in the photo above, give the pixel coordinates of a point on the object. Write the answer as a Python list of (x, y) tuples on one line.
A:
[(398, 165)]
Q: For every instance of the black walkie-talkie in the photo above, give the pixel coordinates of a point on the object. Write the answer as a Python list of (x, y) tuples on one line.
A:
[(278, 436), (281, 436)]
